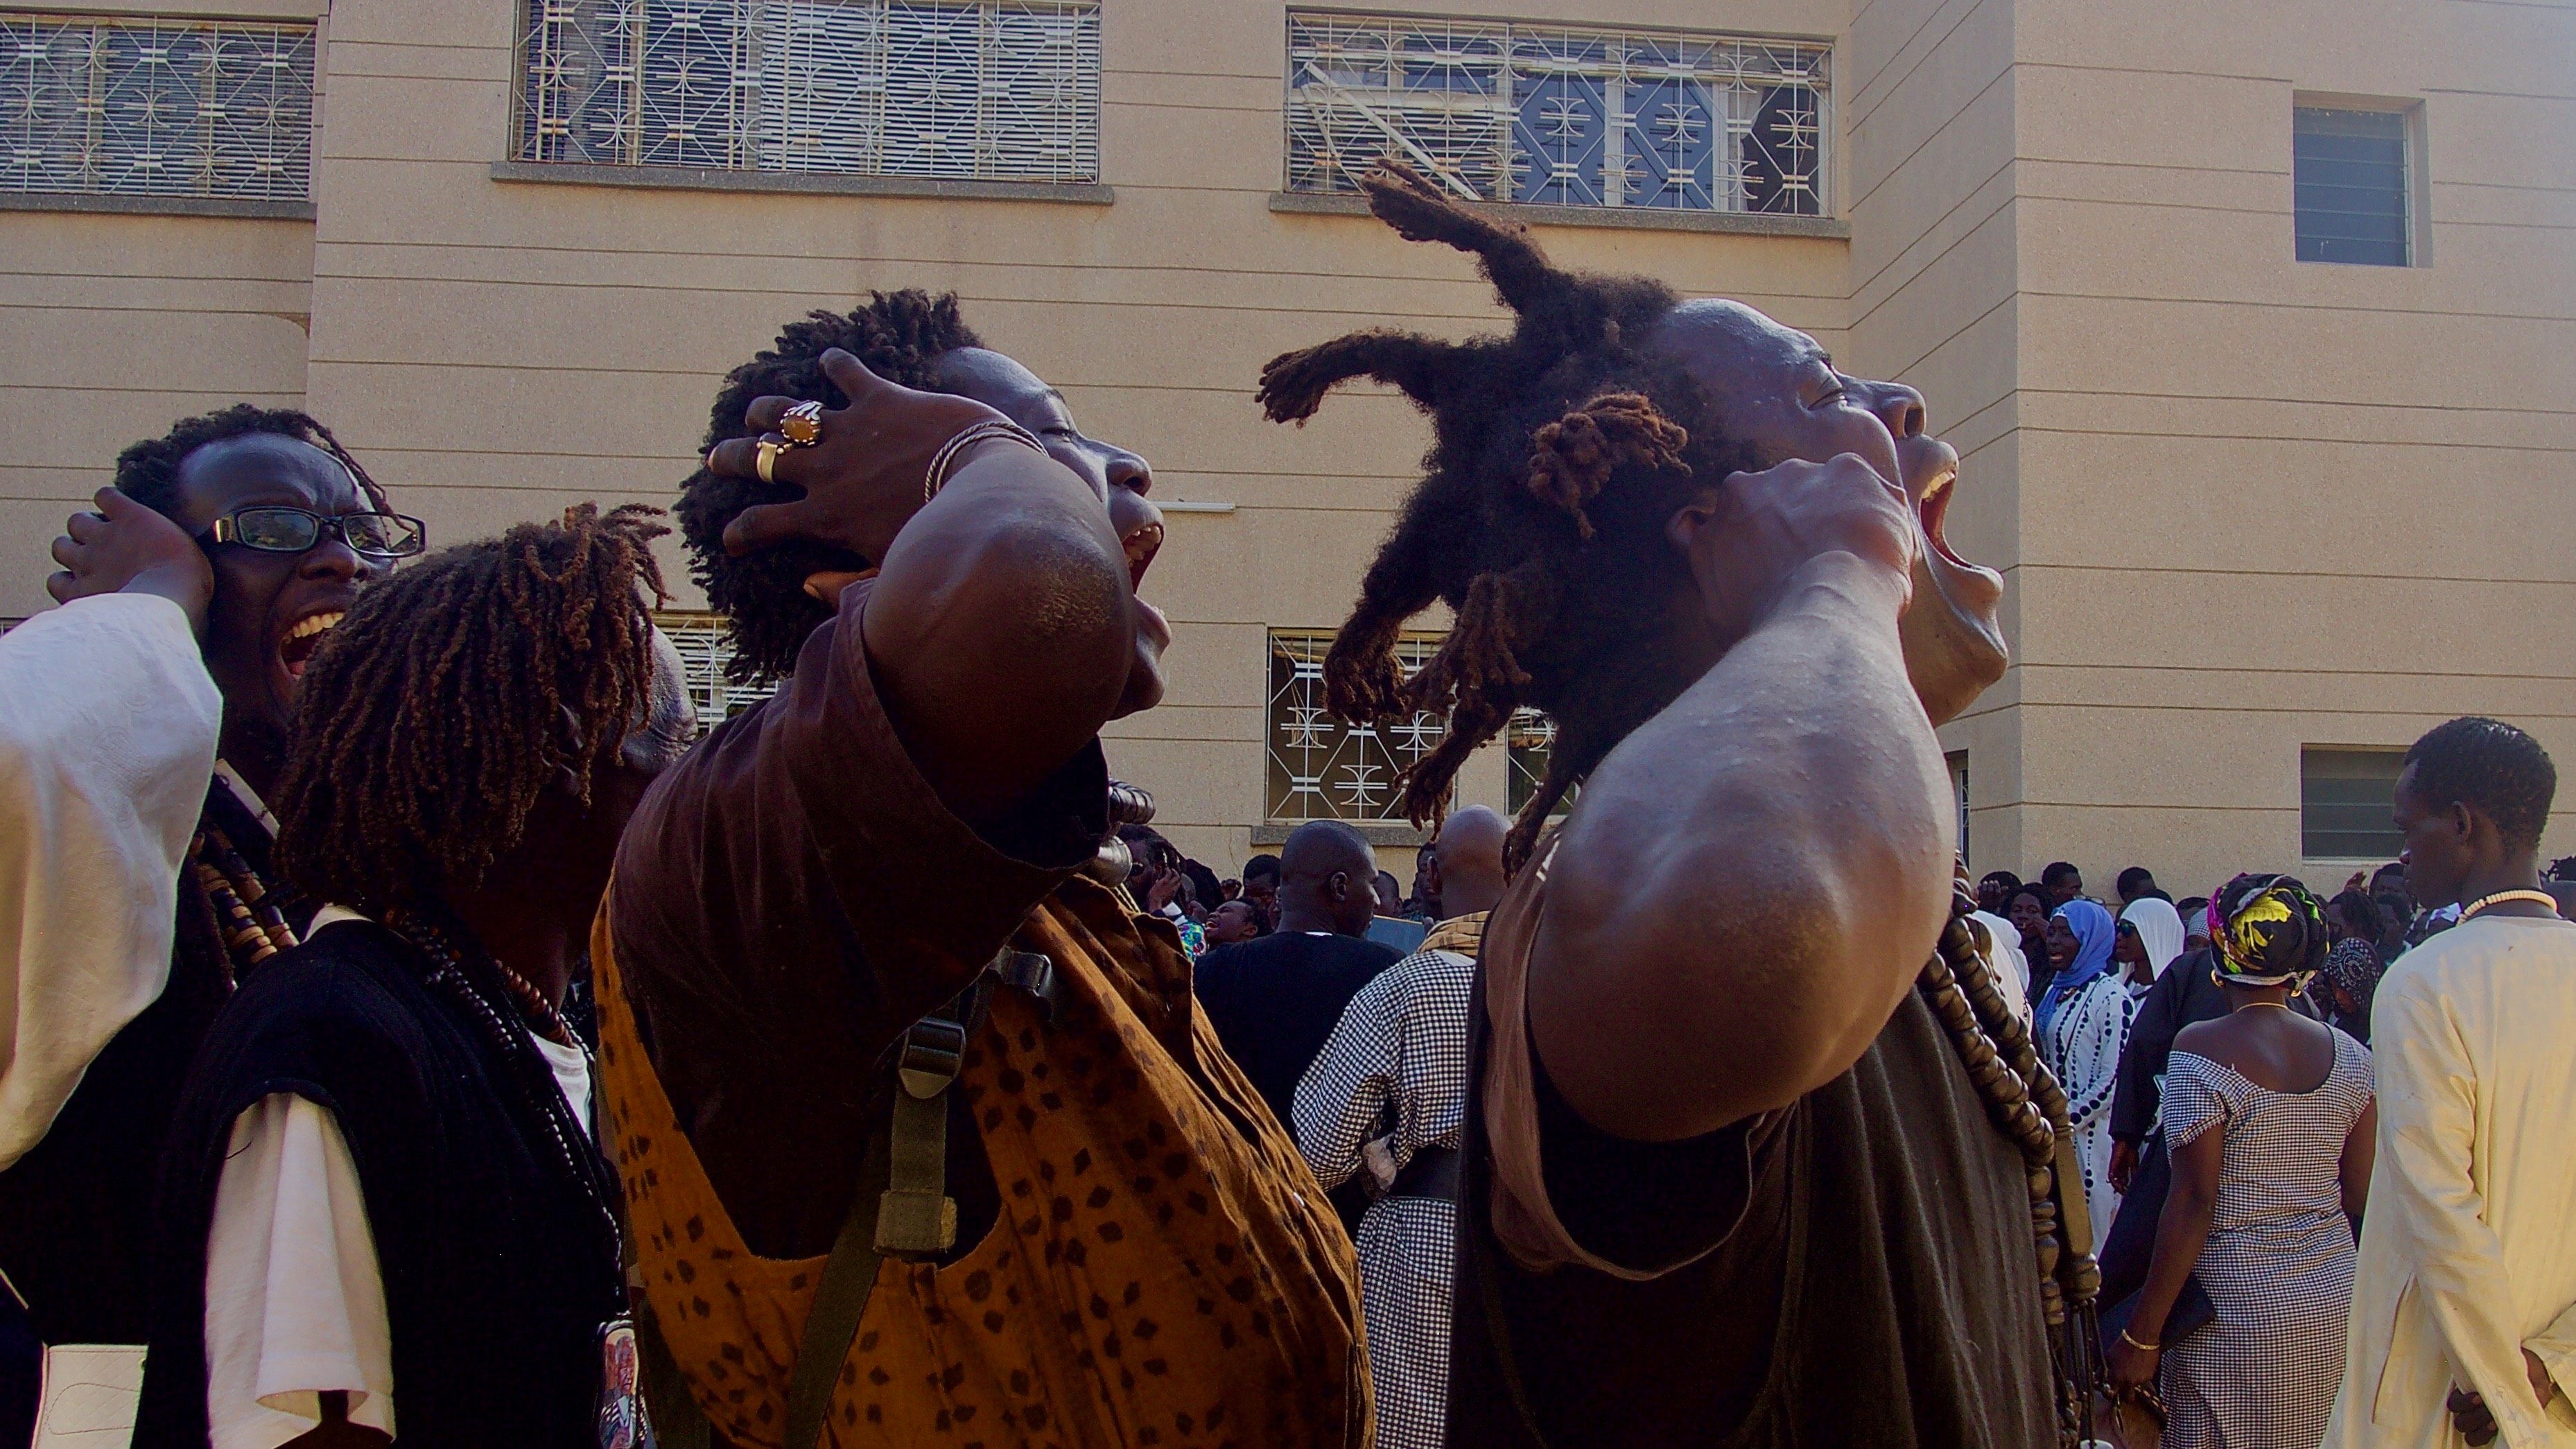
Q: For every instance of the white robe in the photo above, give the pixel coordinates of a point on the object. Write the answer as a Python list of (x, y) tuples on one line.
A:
[(2085, 1038), (107, 741), (2468, 1249)]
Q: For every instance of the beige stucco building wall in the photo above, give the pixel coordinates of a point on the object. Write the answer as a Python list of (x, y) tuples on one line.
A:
[(2243, 503)]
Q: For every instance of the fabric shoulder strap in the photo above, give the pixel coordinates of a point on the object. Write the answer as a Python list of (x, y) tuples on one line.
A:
[(840, 1301), (901, 1209)]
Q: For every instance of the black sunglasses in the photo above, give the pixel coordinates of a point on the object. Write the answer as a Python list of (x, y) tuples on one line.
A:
[(276, 528)]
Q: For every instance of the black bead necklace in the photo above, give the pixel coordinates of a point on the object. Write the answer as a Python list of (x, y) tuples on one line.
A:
[(455, 958)]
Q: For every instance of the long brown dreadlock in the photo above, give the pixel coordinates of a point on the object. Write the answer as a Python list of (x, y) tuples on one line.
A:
[(1559, 452), (434, 717)]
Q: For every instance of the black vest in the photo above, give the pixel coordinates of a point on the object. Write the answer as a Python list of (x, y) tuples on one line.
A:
[(76, 1211), (498, 1267)]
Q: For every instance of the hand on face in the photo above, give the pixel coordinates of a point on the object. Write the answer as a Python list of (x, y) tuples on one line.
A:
[(125, 545), (863, 478), (1762, 530), (1775, 390)]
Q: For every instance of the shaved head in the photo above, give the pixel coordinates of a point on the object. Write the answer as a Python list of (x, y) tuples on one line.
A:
[(1328, 879), (1321, 847), (1469, 854)]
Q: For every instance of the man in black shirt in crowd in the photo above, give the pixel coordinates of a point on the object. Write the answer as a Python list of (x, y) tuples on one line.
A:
[(1274, 1000)]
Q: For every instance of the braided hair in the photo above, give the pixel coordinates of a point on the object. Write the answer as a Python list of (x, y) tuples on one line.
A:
[(762, 595), (433, 718), (1559, 453), (148, 471)]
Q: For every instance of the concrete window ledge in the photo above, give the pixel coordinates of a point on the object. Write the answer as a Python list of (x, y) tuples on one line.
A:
[(120, 204), (1404, 835), (1638, 218), (800, 183)]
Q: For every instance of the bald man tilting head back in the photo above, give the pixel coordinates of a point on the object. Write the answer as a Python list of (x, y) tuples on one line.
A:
[(1274, 1000)]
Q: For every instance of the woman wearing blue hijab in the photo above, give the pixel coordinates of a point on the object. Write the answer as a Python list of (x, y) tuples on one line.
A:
[(2083, 1022)]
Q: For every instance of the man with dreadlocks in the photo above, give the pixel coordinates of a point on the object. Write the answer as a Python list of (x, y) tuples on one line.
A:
[(1099, 1233), (141, 725), (382, 1209), (1729, 1178)]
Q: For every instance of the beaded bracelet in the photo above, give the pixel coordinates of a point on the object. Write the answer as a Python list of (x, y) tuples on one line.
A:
[(946, 458)]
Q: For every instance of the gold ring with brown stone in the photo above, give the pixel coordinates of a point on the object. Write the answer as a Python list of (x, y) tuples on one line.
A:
[(801, 425)]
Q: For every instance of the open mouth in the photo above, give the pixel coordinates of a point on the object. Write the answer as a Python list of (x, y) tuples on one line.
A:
[(296, 649), (1141, 546), (1934, 509)]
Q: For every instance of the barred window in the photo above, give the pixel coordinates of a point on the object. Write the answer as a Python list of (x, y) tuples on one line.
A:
[(1531, 743), (1560, 115), (1323, 769), (704, 652), (149, 106), (966, 89)]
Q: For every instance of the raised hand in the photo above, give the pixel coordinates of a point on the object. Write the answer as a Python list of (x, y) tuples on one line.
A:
[(123, 547), (1763, 529), (862, 478)]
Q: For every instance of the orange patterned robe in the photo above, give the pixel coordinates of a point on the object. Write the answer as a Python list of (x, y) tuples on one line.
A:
[(1165, 1270)]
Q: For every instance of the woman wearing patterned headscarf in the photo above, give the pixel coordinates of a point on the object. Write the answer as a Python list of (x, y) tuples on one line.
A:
[(2271, 1124), (2083, 1022), (2349, 980)]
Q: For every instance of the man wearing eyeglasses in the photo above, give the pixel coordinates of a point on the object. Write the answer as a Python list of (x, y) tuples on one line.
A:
[(140, 725)]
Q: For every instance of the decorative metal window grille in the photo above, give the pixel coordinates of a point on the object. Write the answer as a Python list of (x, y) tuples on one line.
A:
[(147, 106), (1559, 115), (1322, 768), (1530, 740), (963, 90), (704, 652)]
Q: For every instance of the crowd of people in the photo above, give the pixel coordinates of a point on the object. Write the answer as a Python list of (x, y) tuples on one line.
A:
[(415, 1032)]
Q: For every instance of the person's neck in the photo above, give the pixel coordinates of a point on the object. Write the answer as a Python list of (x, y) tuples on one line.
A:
[(535, 932), (1294, 919), (1459, 901), (255, 755), (2240, 998), (2516, 872)]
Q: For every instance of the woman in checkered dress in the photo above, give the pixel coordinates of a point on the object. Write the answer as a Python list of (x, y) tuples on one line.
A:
[(2270, 1120)]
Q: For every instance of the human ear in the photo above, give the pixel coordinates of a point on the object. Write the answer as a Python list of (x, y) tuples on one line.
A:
[(1683, 529)]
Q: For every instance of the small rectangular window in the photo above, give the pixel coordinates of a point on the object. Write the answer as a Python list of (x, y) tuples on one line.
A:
[(2351, 190), (139, 105), (2348, 803)]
